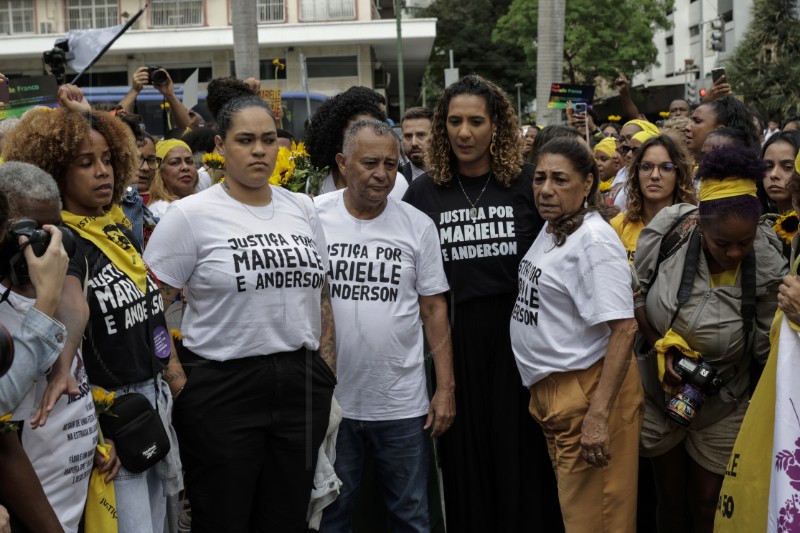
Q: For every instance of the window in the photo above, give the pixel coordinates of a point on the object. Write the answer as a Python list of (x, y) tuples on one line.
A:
[(176, 12), (270, 11), (87, 14), (694, 31), (322, 10), (332, 66), (670, 41), (16, 16)]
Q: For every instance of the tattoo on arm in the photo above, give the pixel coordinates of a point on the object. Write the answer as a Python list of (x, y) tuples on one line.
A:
[(327, 341)]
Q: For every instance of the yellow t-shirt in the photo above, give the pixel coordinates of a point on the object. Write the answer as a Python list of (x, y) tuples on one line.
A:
[(628, 233), (725, 279)]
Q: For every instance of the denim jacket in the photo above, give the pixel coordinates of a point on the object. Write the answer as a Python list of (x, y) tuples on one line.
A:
[(37, 344)]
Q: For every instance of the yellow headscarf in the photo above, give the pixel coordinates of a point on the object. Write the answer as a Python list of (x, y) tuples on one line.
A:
[(645, 125), (643, 136), (797, 163), (163, 147), (608, 146), (714, 189)]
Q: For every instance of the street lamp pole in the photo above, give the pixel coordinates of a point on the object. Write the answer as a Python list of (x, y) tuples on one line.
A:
[(519, 101)]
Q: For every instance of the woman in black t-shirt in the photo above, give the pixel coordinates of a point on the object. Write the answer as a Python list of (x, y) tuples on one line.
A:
[(126, 346), (479, 194)]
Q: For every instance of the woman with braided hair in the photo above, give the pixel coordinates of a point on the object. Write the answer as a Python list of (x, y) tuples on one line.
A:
[(479, 194)]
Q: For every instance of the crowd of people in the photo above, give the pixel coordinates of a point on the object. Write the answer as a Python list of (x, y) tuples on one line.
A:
[(596, 299)]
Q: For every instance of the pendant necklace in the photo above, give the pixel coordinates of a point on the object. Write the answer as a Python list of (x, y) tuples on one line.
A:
[(473, 212), (227, 189)]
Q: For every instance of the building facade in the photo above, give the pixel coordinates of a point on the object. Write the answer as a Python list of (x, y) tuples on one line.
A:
[(344, 42), (690, 50)]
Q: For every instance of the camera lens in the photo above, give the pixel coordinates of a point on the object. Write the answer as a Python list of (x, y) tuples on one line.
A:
[(159, 77)]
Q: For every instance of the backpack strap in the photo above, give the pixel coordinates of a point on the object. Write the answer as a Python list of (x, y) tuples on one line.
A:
[(748, 306), (689, 271)]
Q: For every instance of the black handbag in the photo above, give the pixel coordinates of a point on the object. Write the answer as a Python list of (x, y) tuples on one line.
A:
[(137, 431)]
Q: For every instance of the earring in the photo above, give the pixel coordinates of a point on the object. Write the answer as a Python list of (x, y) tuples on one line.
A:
[(585, 202), (491, 146)]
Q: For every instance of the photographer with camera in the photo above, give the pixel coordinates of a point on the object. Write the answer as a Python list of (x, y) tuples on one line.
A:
[(160, 79), (709, 290)]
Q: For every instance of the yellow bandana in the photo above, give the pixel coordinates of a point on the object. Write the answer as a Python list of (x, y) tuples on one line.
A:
[(645, 125), (714, 189), (797, 163), (163, 147), (644, 136), (672, 340), (608, 146), (103, 232)]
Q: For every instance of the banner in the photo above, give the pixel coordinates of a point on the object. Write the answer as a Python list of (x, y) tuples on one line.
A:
[(25, 93), (561, 93)]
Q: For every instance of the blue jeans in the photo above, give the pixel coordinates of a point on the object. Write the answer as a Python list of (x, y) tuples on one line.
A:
[(141, 503), (400, 451)]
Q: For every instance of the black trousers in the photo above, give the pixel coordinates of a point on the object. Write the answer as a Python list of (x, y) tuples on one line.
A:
[(249, 431), (497, 472)]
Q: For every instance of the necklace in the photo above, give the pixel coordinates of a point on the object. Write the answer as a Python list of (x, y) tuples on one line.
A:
[(473, 212), (227, 189)]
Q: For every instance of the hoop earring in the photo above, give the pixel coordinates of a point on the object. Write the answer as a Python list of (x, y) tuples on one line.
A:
[(491, 146)]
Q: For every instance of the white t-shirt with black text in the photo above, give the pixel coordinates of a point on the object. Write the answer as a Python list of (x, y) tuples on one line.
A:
[(566, 296), (61, 451), (253, 275), (378, 269)]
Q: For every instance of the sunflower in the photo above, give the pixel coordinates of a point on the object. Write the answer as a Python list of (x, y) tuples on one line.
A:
[(214, 160), (605, 186), (284, 167), (786, 226)]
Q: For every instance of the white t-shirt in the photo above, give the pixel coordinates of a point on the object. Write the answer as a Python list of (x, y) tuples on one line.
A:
[(620, 180), (61, 451), (397, 192), (378, 269), (159, 208), (204, 180), (253, 275), (566, 296)]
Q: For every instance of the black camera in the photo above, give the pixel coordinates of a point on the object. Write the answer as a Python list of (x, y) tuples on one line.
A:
[(38, 240), (698, 379), (698, 373), (157, 76)]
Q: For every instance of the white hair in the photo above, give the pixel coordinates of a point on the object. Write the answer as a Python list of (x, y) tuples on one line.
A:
[(376, 126), (25, 182)]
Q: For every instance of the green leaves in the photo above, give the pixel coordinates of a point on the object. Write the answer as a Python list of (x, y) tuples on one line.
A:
[(764, 66)]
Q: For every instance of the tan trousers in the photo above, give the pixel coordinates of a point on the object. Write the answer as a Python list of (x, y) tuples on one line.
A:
[(593, 500)]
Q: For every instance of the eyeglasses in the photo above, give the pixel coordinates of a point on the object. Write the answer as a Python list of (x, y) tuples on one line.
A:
[(624, 149), (610, 134), (152, 162), (665, 169)]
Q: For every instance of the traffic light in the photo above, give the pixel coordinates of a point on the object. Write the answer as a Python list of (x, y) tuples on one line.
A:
[(718, 35), (691, 92)]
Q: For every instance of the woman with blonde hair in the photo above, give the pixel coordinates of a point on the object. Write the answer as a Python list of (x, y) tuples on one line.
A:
[(175, 178), (479, 194)]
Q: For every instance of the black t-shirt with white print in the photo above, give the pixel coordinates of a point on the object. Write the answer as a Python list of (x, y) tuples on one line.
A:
[(126, 339), (481, 256)]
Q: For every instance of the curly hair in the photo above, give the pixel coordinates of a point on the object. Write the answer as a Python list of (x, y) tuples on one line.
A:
[(50, 138), (583, 162), (731, 112), (326, 131), (506, 163), (731, 162), (683, 193)]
